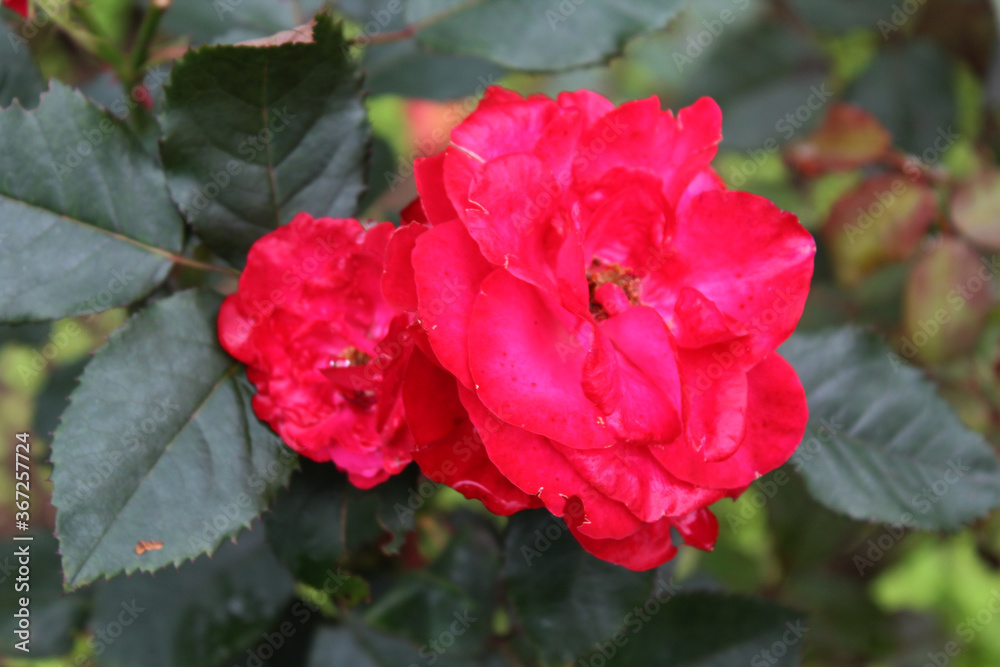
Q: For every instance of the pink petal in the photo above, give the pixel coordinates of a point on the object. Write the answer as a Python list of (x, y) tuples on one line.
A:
[(651, 545), (235, 330), (648, 412), (448, 449), (398, 284), (495, 95), (499, 129), (515, 198), (631, 476), (460, 169), (536, 467), (413, 212), (592, 106), (389, 364), (612, 298), (700, 528), (752, 260), (640, 135), (449, 271), (527, 362), (630, 221), (698, 322), (706, 180), (715, 418), (428, 173), (776, 421)]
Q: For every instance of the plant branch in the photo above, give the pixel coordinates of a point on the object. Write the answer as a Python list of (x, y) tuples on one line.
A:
[(147, 31), (204, 266)]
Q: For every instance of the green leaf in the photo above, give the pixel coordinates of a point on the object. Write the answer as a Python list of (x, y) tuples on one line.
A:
[(19, 75), (196, 616), (382, 169), (359, 646), (34, 334), (256, 135), (456, 595), (49, 404), (320, 520), (223, 21), (840, 15), (881, 445), (769, 82), (911, 89), (85, 219), (563, 597), (707, 630), (395, 513), (405, 68), (160, 444), (843, 617), (806, 533), (54, 617), (536, 36)]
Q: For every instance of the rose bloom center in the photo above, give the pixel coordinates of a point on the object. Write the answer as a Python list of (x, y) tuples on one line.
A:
[(599, 273)]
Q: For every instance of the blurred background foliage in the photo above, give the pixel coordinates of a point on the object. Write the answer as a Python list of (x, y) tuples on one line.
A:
[(925, 78)]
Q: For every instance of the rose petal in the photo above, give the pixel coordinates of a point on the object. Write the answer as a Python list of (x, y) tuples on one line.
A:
[(448, 449), (428, 173), (449, 271), (531, 463), (433, 409), (649, 546), (19, 6), (760, 282), (631, 476), (413, 212), (640, 135), (398, 282), (515, 198), (698, 322), (715, 413), (527, 362), (500, 129), (630, 219), (648, 412), (700, 529), (592, 106), (776, 421)]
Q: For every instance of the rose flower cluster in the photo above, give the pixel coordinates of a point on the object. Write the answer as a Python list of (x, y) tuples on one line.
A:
[(575, 314)]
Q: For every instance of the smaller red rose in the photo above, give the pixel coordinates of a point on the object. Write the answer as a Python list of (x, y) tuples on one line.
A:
[(322, 346)]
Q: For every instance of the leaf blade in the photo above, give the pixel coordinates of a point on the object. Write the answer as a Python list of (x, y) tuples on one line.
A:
[(536, 36), (73, 242), (880, 440), (182, 417), (255, 135)]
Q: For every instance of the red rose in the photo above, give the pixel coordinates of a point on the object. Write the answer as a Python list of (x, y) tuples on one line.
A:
[(603, 314), (322, 346), (19, 6)]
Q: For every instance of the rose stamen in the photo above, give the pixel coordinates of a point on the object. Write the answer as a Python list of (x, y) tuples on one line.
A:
[(600, 273), (351, 356)]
